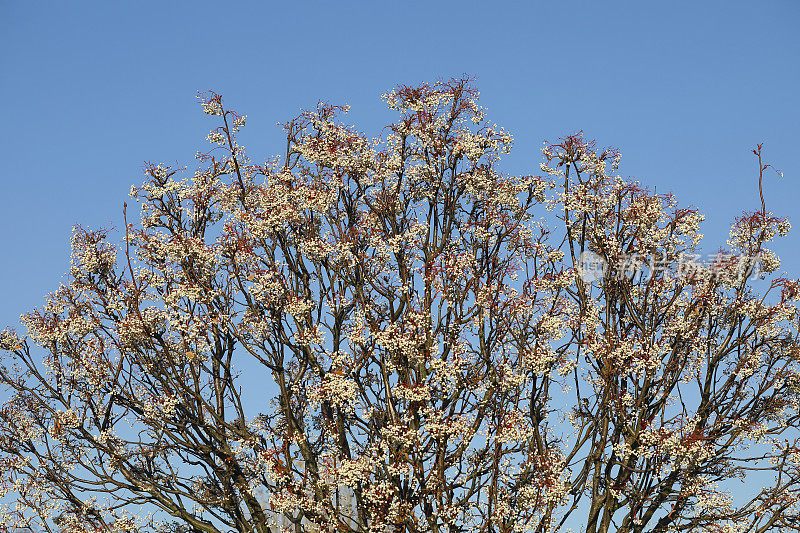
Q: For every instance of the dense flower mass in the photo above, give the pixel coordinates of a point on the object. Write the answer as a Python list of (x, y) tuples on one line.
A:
[(391, 334)]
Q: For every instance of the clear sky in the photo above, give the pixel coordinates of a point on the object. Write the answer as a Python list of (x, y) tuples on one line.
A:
[(91, 90)]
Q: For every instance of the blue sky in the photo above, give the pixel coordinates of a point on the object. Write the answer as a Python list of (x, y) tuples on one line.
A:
[(91, 90)]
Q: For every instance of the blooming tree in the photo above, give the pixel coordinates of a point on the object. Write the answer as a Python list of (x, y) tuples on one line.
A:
[(391, 334)]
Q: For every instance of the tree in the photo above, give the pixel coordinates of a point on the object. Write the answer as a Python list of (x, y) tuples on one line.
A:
[(433, 348)]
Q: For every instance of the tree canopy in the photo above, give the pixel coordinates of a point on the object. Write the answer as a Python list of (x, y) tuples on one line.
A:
[(392, 334)]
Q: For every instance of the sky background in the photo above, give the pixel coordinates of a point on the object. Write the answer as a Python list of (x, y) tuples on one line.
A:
[(92, 90)]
